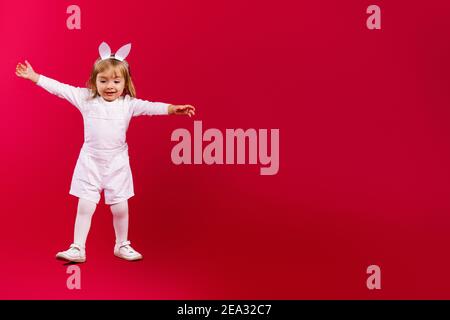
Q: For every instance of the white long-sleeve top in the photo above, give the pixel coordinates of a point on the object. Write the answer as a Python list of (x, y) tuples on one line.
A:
[(105, 123)]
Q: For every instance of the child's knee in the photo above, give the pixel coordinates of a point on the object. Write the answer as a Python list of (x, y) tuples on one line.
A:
[(120, 209)]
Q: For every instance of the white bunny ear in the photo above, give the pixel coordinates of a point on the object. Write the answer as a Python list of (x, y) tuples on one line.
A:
[(123, 52), (104, 50)]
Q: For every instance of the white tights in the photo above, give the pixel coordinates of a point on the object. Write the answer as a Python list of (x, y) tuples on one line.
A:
[(85, 212)]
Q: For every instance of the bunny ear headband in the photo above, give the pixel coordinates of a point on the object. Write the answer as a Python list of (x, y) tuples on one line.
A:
[(121, 54)]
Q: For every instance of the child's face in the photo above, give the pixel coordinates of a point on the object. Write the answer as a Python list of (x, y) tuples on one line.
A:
[(110, 84)]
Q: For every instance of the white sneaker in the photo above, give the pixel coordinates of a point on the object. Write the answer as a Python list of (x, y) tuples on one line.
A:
[(125, 251), (74, 254)]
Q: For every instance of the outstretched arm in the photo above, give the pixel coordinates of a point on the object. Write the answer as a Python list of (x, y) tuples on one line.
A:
[(143, 107), (74, 95)]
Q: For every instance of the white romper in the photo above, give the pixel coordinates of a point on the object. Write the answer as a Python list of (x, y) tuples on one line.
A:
[(103, 163)]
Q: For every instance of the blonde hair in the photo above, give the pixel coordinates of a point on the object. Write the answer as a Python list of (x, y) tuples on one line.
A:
[(102, 65)]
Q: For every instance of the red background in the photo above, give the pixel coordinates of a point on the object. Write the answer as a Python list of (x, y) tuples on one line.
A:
[(364, 150)]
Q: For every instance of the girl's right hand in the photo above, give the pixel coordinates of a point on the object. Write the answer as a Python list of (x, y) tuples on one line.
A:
[(26, 71)]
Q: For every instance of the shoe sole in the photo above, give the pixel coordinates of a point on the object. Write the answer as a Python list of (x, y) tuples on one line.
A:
[(129, 259), (66, 258)]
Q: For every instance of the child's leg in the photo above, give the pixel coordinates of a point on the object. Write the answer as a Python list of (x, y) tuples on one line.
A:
[(120, 220), (85, 211), (122, 249)]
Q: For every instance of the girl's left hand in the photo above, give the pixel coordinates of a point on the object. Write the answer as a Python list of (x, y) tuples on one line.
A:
[(183, 109)]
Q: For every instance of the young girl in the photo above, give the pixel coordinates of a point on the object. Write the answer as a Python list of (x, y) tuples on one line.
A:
[(107, 106)]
